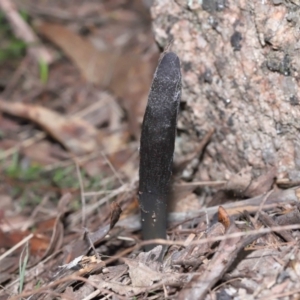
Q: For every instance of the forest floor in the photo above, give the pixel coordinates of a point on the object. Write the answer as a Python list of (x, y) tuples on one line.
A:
[(74, 81)]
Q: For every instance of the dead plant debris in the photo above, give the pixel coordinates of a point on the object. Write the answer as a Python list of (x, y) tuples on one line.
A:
[(73, 92)]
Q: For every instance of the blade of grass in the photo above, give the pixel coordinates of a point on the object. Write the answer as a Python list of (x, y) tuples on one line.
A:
[(44, 71), (22, 266)]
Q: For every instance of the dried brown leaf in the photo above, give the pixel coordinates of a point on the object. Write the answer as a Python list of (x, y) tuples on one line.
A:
[(262, 184), (118, 288), (79, 294), (95, 67), (115, 212), (223, 217), (122, 73), (41, 153), (38, 244), (243, 185), (187, 203), (80, 247), (142, 275), (75, 134), (58, 229), (238, 183), (223, 258)]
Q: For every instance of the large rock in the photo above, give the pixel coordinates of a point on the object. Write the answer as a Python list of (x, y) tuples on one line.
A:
[(241, 73)]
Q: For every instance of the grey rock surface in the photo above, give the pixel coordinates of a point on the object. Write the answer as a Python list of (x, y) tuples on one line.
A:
[(241, 71)]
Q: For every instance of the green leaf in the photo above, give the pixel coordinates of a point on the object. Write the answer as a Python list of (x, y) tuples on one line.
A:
[(44, 71)]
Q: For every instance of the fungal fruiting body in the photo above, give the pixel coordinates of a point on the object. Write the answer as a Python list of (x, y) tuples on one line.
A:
[(157, 146)]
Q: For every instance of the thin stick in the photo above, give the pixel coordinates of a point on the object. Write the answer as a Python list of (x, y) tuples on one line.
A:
[(201, 183), (21, 243), (262, 205), (112, 168), (87, 233), (91, 208), (220, 238)]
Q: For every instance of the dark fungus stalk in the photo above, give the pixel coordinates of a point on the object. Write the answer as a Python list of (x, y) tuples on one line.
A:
[(157, 146)]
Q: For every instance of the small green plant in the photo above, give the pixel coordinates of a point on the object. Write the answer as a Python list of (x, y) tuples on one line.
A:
[(16, 171), (44, 71), (22, 266), (38, 284), (29, 181), (11, 47), (24, 14)]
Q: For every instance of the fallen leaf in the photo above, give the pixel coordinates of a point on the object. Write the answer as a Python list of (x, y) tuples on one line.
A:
[(152, 258), (8, 125), (223, 217), (78, 294), (38, 244), (262, 184), (118, 288), (115, 212), (6, 203), (125, 74), (243, 185), (114, 272), (74, 133), (40, 153), (58, 229), (4, 277), (185, 203), (238, 183), (14, 222), (141, 275), (80, 247), (95, 66), (8, 264)]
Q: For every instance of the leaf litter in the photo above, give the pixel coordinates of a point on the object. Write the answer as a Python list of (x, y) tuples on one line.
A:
[(238, 240)]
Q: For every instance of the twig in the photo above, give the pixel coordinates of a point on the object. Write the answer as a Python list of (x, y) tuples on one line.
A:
[(87, 234), (253, 233), (21, 243), (91, 208), (25, 33), (220, 263), (251, 205), (268, 221), (112, 168), (262, 204), (235, 208), (201, 183)]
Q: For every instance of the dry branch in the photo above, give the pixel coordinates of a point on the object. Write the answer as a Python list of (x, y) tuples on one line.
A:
[(224, 257), (235, 208)]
